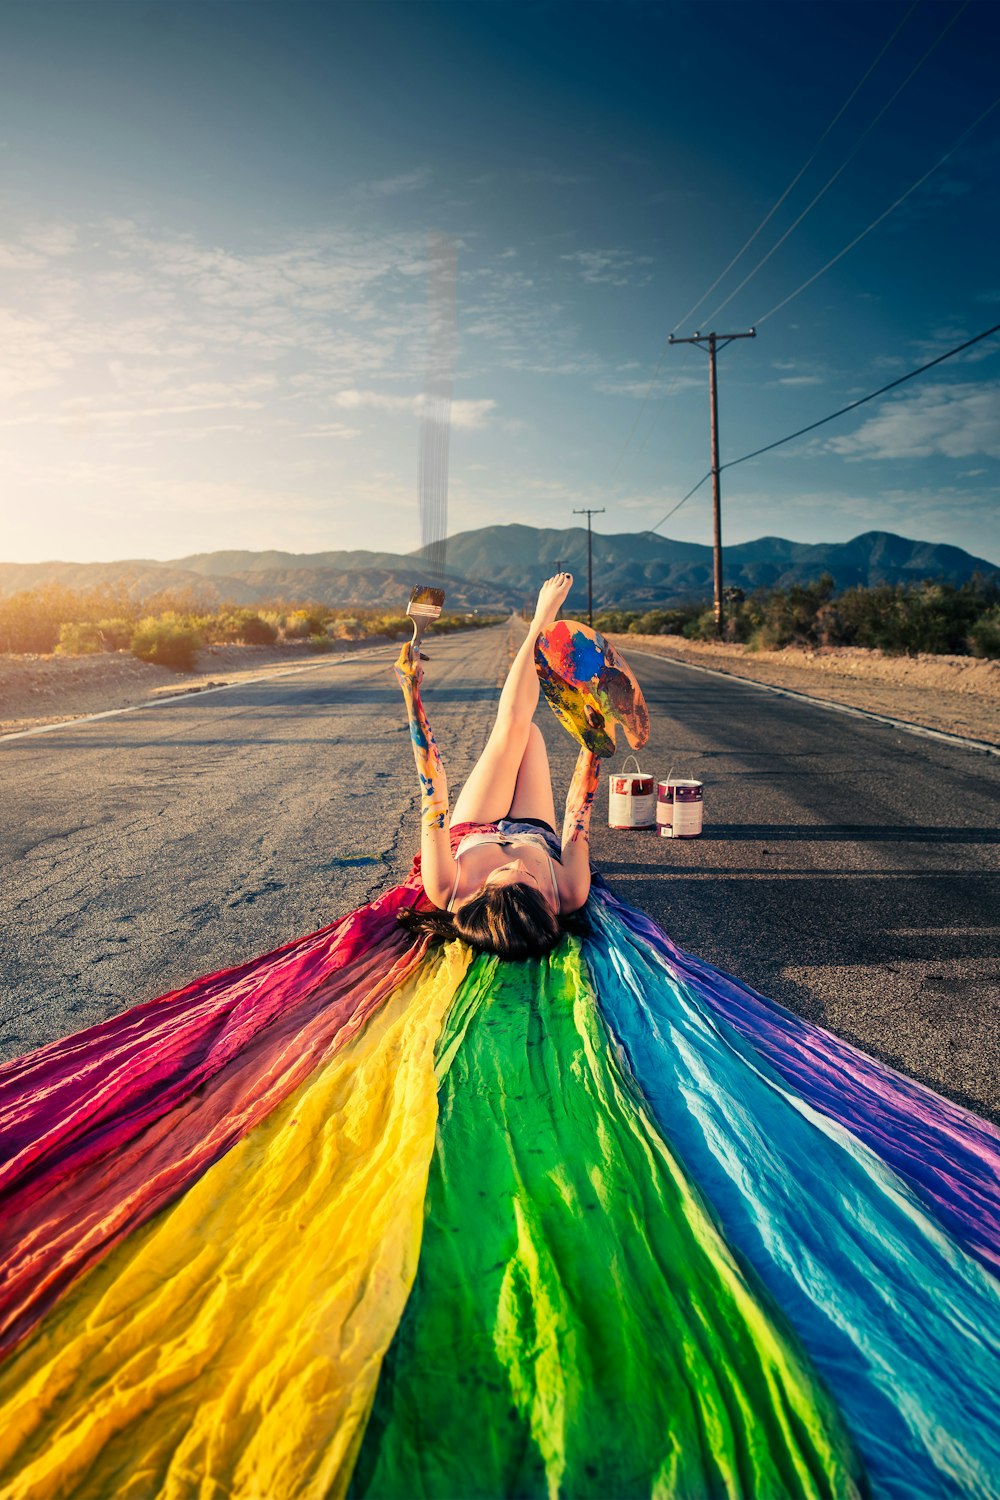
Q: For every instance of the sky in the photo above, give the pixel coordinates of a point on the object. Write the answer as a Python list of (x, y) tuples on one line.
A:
[(216, 223)]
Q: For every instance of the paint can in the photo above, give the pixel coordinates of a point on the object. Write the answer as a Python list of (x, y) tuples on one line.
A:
[(631, 799), (679, 808)]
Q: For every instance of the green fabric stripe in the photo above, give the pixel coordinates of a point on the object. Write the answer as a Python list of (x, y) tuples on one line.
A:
[(578, 1326)]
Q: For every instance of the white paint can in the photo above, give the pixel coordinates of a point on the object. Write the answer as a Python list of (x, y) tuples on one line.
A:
[(631, 799), (679, 808)]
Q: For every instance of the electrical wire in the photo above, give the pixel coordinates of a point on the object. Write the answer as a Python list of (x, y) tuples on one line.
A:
[(852, 406), (844, 164), (800, 173), (666, 344), (656, 373), (651, 529), (875, 222)]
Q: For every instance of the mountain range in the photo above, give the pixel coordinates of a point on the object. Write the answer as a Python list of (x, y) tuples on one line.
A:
[(500, 567)]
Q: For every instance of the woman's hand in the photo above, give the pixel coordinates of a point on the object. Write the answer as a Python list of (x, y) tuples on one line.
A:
[(409, 672)]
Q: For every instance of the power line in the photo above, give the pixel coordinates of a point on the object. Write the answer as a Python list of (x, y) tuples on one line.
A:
[(848, 101), (693, 491), (784, 237), (875, 222), (845, 163), (800, 173), (852, 406)]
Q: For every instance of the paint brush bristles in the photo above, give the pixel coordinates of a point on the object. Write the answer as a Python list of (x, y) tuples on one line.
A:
[(425, 605)]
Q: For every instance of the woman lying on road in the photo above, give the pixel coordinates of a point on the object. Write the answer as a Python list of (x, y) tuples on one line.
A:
[(497, 874)]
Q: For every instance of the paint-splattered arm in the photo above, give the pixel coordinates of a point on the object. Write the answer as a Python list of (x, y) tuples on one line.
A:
[(437, 864), (576, 827)]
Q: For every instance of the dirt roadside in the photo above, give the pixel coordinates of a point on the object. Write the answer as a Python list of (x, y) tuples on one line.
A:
[(38, 690), (956, 694)]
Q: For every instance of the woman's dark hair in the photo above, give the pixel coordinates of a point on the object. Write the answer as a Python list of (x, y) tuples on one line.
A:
[(513, 921)]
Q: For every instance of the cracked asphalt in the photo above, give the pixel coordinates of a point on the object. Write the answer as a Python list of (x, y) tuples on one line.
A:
[(847, 869)]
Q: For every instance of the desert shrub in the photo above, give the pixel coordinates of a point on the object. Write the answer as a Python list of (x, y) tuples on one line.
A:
[(939, 617), (934, 617), (777, 617), (116, 634), (663, 621), (984, 635), (168, 640), (32, 619), (321, 642), (396, 627), (303, 623), (246, 626), (79, 640), (766, 637), (701, 627), (614, 621), (259, 632), (347, 628)]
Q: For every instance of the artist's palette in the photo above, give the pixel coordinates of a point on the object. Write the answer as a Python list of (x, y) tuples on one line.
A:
[(590, 687)]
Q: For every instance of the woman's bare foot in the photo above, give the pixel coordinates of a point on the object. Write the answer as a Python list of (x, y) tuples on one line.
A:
[(551, 597)]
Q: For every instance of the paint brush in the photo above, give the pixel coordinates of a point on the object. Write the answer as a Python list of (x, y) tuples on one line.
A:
[(423, 609)]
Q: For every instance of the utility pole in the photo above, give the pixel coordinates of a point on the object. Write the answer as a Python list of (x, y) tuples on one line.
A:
[(712, 340), (590, 562)]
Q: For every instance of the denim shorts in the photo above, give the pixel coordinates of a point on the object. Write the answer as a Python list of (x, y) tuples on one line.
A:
[(533, 825)]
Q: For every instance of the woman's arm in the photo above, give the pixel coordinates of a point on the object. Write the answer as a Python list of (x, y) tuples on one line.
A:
[(437, 865), (576, 826)]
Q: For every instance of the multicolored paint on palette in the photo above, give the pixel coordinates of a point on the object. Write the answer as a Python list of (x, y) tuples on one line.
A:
[(363, 1217), (590, 687)]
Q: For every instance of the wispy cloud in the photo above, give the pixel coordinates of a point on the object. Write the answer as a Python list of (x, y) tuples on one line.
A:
[(616, 267), (390, 187), (464, 413), (552, 176), (640, 390), (339, 430), (953, 421)]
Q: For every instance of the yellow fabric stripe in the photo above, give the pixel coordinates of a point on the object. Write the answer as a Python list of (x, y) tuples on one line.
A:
[(231, 1346)]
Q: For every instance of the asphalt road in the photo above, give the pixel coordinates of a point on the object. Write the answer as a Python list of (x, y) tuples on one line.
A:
[(847, 869)]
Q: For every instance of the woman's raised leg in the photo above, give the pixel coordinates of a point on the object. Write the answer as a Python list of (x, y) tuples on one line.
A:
[(489, 792)]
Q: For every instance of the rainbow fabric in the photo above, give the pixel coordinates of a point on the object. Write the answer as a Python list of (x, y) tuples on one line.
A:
[(362, 1218)]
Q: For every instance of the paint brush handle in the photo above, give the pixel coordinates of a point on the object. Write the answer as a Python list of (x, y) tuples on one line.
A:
[(419, 626)]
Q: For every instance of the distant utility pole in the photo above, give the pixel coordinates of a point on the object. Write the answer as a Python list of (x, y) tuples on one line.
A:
[(590, 562), (713, 342)]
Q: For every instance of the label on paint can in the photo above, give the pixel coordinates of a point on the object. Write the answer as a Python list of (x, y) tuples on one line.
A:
[(631, 800), (679, 808)]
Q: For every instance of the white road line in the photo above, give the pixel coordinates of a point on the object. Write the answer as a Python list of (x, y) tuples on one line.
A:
[(131, 708), (983, 746)]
